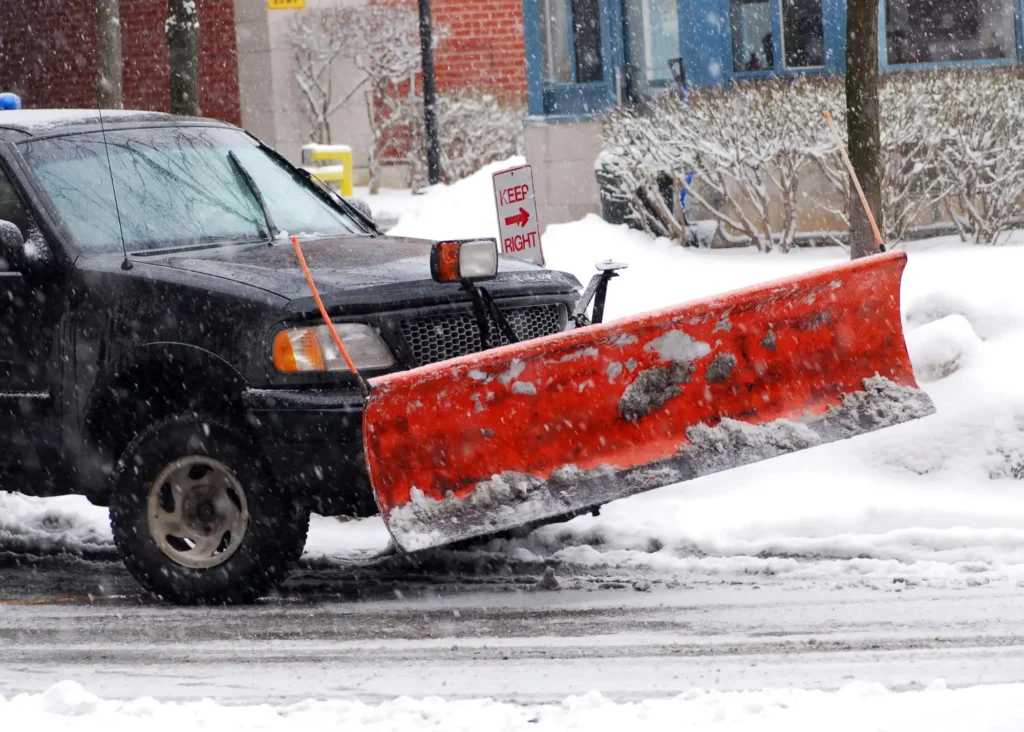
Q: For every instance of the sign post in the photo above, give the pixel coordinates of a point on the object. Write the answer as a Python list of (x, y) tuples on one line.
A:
[(517, 214)]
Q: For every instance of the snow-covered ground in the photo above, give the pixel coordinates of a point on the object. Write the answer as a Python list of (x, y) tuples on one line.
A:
[(858, 706)]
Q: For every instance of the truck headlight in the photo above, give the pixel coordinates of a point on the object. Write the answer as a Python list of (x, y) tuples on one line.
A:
[(301, 350)]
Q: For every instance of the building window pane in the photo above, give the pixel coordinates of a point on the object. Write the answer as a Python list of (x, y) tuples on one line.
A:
[(936, 31), (653, 37), (570, 35), (752, 42), (554, 38), (803, 34), (586, 17)]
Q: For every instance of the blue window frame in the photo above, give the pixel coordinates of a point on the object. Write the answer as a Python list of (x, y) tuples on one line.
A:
[(576, 67), (777, 37), (926, 34), (574, 55)]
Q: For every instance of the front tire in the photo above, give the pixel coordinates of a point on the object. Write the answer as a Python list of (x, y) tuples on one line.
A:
[(195, 517)]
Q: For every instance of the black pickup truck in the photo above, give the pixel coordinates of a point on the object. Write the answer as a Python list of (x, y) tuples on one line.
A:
[(161, 353)]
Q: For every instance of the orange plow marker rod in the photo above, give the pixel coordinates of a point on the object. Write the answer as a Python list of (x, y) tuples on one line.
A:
[(554, 426)]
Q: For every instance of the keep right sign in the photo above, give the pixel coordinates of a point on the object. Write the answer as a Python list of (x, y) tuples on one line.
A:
[(517, 214)]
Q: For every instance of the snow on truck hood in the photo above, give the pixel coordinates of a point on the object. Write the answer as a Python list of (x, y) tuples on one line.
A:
[(349, 266)]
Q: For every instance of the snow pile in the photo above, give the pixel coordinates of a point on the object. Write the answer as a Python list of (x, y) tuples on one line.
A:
[(462, 210), (858, 706), (64, 524)]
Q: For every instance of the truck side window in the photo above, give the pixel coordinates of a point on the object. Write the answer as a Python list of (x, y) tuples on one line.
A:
[(11, 207)]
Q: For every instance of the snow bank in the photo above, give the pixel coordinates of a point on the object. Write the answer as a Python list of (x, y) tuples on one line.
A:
[(858, 706), (462, 210), (65, 524)]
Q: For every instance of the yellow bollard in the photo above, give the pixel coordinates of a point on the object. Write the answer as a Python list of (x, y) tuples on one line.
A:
[(332, 164)]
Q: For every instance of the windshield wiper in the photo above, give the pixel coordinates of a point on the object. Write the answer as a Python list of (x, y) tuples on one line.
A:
[(255, 190)]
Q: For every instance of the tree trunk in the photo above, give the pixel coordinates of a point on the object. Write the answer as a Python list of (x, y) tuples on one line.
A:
[(109, 65), (183, 42), (862, 117)]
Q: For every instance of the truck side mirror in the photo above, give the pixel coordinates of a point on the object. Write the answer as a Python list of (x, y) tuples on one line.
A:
[(12, 246), (31, 257), (362, 206)]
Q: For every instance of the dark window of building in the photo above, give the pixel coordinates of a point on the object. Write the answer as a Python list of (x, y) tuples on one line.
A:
[(554, 38), (570, 34), (753, 46), (803, 34), (586, 25), (937, 31)]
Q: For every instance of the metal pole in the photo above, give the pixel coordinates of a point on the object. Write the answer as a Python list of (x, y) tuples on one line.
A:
[(429, 95)]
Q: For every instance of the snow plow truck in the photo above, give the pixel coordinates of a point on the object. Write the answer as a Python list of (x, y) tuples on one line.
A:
[(169, 351)]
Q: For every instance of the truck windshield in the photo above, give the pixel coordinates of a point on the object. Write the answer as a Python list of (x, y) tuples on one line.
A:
[(176, 186)]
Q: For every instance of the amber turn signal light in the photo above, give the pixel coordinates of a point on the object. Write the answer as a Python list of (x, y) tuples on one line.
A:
[(464, 261)]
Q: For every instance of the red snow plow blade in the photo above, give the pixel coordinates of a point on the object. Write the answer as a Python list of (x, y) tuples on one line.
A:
[(549, 428)]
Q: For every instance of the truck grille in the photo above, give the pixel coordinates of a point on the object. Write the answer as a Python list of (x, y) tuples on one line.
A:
[(438, 338)]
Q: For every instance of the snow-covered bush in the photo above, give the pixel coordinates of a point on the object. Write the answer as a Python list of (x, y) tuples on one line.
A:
[(760, 155), (981, 154), (475, 128), (747, 148), (382, 42)]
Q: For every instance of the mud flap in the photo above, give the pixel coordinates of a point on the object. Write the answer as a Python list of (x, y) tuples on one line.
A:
[(548, 428)]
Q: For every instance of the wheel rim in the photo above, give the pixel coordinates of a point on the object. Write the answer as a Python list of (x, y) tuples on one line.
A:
[(197, 512)]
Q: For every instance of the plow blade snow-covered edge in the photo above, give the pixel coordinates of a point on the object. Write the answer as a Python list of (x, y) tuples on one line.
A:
[(549, 428)]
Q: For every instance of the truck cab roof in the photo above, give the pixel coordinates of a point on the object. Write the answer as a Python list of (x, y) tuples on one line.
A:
[(22, 123)]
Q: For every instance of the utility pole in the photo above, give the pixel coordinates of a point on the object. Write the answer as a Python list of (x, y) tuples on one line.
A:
[(429, 95), (110, 64), (862, 119), (183, 43)]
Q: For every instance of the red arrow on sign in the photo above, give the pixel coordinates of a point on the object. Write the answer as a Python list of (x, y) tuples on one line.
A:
[(522, 218)]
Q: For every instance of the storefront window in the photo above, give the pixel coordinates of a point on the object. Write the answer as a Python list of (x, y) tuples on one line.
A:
[(570, 34), (753, 47), (928, 31), (586, 26), (653, 27), (803, 35), (554, 37)]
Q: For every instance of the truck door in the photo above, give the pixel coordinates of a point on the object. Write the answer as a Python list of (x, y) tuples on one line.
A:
[(30, 307)]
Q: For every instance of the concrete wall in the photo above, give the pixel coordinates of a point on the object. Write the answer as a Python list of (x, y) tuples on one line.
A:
[(270, 98), (563, 155)]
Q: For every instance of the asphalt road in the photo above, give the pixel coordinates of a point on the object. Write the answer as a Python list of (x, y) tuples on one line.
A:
[(475, 626)]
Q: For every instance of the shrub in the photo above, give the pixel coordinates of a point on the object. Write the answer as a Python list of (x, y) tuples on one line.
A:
[(953, 137)]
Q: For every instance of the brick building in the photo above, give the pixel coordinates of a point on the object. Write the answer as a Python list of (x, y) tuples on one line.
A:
[(48, 54)]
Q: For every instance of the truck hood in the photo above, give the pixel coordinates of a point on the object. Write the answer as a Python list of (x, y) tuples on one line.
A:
[(353, 273)]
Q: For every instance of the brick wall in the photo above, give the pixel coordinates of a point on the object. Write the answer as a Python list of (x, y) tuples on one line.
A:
[(48, 54), (484, 48)]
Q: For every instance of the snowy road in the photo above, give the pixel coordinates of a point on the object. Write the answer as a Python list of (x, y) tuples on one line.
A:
[(510, 640)]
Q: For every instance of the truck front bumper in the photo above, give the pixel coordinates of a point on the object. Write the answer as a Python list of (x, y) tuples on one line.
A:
[(312, 442)]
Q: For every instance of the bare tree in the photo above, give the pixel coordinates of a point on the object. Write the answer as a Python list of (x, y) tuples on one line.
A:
[(183, 43), (389, 55), (110, 64), (318, 41), (862, 120), (382, 41)]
